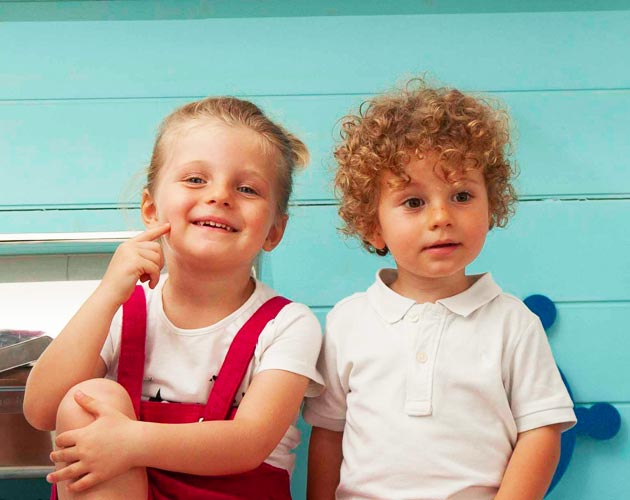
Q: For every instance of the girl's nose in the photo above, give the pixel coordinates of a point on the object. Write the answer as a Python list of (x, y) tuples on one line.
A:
[(218, 195)]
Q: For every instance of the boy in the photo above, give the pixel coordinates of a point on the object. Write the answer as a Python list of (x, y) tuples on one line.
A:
[(439, 385)]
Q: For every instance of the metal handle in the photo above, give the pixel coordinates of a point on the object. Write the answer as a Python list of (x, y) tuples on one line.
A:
[(87, 237)]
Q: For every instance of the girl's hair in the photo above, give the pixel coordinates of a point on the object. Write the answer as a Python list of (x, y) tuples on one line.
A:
[(389, 130), (289, 151)]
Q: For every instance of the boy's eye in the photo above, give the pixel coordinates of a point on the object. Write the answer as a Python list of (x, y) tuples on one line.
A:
[(195, 180), (247, 190), (462, 197), (413, 203)]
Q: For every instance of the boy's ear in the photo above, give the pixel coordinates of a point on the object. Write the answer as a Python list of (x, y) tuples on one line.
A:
[(276, 233), (148, 209), (376, 240)]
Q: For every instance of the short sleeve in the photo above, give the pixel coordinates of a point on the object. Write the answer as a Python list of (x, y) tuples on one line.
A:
[(292, 342), (328, 410), (538, 396)]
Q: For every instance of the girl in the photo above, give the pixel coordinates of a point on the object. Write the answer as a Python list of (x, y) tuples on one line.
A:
[(217, 192)]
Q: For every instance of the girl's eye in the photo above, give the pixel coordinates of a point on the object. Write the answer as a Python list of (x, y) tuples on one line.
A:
[(413, 203), (195, 180), (247, 190), (462, 197)]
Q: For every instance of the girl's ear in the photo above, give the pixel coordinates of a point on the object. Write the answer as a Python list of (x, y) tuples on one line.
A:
[(275, 233), (148, 209)]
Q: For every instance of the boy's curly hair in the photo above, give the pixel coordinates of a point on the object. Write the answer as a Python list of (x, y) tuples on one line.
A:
[(388, 130)]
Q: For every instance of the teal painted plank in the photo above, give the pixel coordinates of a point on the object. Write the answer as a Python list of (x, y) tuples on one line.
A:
[(570, 144), (591, 342), (598, 469), (313, 264), (73, 10), (575, 250), (572, 251), (94, 152), (542, 249), (312, 55), (90, 153)]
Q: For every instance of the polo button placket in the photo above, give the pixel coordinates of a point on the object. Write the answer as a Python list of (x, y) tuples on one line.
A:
[(425, 323)]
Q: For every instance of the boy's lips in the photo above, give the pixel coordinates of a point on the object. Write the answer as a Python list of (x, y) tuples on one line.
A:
[(446, 244)]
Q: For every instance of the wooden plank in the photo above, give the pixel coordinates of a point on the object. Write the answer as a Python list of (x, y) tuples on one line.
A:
[(574, 250), (571, 251), (77, 10), (598, 469), (569, 144), (591, 342), (95, 152), (561, 50)]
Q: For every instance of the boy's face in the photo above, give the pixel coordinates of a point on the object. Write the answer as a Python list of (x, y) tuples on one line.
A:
[(433, 229)]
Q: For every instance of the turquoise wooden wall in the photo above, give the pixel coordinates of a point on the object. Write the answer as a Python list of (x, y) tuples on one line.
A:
[(83, 85)]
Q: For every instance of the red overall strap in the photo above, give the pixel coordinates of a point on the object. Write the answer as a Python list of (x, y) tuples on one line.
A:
[(132, 341), (238, 358)]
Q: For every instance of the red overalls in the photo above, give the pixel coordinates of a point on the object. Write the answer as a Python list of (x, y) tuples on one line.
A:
[(266, 482)]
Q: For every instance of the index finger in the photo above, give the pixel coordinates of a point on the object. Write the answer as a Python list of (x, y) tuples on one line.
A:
[(153, 233)]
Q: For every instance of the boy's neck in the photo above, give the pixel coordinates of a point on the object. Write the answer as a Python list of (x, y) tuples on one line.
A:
[(195, 300), (423, 290)]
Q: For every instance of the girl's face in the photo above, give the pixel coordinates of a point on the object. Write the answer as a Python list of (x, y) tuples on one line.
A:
[(218, 189)]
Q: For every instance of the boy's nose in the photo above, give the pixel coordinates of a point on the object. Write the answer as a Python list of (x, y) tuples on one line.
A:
[(439, 216)]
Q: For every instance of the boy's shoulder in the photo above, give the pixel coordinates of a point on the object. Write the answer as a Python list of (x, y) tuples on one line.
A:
[(349, 305), (508, 307)]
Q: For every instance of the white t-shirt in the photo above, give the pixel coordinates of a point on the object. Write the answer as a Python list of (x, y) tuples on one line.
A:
[(431, 397), (180, 365)]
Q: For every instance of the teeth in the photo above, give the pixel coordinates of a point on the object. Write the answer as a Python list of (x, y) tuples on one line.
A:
[(215, 224)]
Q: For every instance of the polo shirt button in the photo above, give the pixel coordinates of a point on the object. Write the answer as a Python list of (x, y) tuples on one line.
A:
[(421, 357), (413, 316)]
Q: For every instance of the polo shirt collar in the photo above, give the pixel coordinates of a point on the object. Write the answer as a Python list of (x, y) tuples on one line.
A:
[(392, 307)]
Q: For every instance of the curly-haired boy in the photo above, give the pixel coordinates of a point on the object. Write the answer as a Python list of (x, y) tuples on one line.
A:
[(439, 384)]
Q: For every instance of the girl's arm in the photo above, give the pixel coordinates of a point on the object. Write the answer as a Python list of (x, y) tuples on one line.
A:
[(324, 463), (74, 355), (269, 406), (532, 465)]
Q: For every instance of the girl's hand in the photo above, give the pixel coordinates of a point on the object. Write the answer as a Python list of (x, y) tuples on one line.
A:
[(139, 258), (97, 452)]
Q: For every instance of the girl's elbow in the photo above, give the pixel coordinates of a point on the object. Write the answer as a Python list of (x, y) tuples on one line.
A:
[(255, 456), (253, 460), (36, 416)]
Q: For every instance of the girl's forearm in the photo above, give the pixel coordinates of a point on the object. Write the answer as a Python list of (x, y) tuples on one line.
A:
[(73, 356), (270, 405), (203, 448)]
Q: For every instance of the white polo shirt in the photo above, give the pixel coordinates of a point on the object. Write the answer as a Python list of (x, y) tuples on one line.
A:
[(431, 397)]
